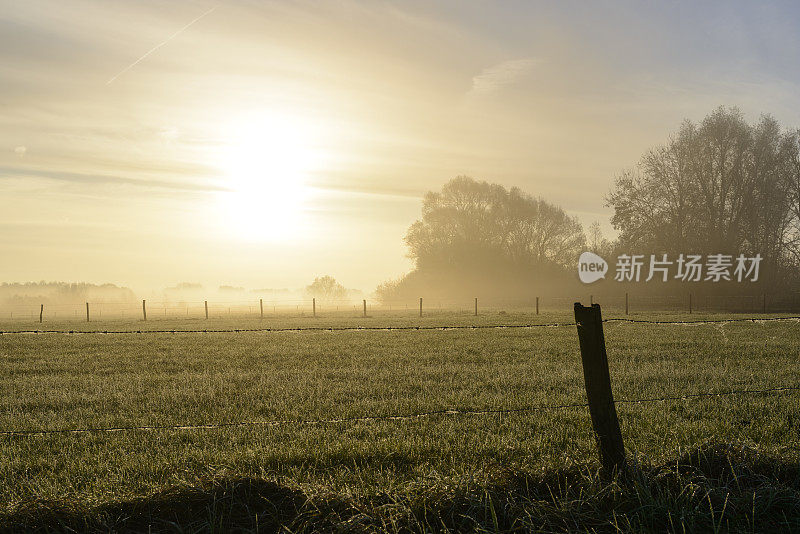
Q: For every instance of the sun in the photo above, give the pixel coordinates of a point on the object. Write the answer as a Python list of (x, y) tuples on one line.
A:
[(265, 162)]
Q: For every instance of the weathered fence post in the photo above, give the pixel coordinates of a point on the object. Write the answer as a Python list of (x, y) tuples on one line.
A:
[(690, 303), (144, 310), (314, 307), (420, 306), (537, 305), (41, 312), (626, 303), (87, 312), (598, 388), (261, 307), (365, 307), (205, 302), (476, 306)]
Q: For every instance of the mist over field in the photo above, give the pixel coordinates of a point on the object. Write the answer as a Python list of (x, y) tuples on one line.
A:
[(262, 146), (377, 267)]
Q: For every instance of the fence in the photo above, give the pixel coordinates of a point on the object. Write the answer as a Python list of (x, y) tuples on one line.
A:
[(600, 399), (149, 310), (392, 417), (390, 328)]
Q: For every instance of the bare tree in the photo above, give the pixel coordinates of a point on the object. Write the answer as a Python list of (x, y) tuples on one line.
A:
[(475, 237), (724, 186), (474, 223), (326, 288)]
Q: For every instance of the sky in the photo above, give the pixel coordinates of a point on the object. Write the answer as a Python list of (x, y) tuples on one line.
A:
[(262, 144)]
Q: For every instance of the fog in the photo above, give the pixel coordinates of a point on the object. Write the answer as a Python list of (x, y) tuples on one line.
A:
[(264, 146)]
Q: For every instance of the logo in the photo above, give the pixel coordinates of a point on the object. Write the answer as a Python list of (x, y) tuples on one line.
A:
[(591, 267), (685, 268)]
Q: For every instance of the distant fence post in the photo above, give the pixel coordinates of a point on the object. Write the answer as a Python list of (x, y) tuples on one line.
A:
[(476, 306), (626, 303), (87, 312), (205, 303), (41, 312), (764, 302), (537, 305), (313, 306), (598, 388), (591, 300), (261, 307), (690, 303), (420, 306), (144, 310), (365, 307)]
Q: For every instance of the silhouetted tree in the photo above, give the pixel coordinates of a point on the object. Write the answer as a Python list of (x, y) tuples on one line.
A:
[(723, 186), (476, 236), (326, 288), (475, 223), (596, 241)]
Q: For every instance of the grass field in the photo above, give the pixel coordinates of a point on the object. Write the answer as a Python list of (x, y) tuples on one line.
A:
[(717, 463)]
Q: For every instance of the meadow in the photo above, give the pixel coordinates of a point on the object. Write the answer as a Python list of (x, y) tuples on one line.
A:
[(726, 463)]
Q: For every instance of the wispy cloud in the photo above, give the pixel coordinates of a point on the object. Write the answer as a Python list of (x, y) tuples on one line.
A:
[(497, 76), (98, 179)]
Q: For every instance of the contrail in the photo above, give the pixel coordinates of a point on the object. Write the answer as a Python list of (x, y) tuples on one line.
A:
[(159, 45)]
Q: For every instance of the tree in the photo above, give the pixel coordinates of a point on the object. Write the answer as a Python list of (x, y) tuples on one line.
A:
[(723, 186), (597, 243), (326, 288), (474, 236), (472, 223)]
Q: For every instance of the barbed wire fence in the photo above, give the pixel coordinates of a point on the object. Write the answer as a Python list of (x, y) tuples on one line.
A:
[(28, 309), (393, 417), (394, 328), (604, 422)]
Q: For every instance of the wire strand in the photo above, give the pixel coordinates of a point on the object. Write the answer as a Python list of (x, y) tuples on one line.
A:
[(391, 417), (394, 328)]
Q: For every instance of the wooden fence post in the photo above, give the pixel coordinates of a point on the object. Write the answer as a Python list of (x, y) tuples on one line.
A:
[(144, 310), (598, 388), (365, 307), (476, 306), (205, 303), (626, 303), (537, 305), (87, 312), (420, 306), (41, 312), (261, 306), (591, 300), (314, 306), (690, 303)]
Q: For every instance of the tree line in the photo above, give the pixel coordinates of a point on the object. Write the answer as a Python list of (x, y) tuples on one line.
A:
[(722, 186)]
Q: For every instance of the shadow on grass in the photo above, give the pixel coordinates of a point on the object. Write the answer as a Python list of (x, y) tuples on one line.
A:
[(716, 488)]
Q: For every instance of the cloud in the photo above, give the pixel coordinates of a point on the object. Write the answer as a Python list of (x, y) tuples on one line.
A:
[(20, 150), (103, 179), (506, 73)]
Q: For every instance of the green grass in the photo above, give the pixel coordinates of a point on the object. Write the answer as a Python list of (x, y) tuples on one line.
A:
[(727, 463)]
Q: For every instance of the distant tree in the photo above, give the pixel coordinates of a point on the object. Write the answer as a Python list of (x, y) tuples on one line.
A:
[(597, 243), (476, 236), (326, 288), (595, 236), (61, 292), (723, 186), (477, 223)]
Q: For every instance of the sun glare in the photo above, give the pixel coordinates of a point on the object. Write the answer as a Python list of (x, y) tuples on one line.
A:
[(265, 162)]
